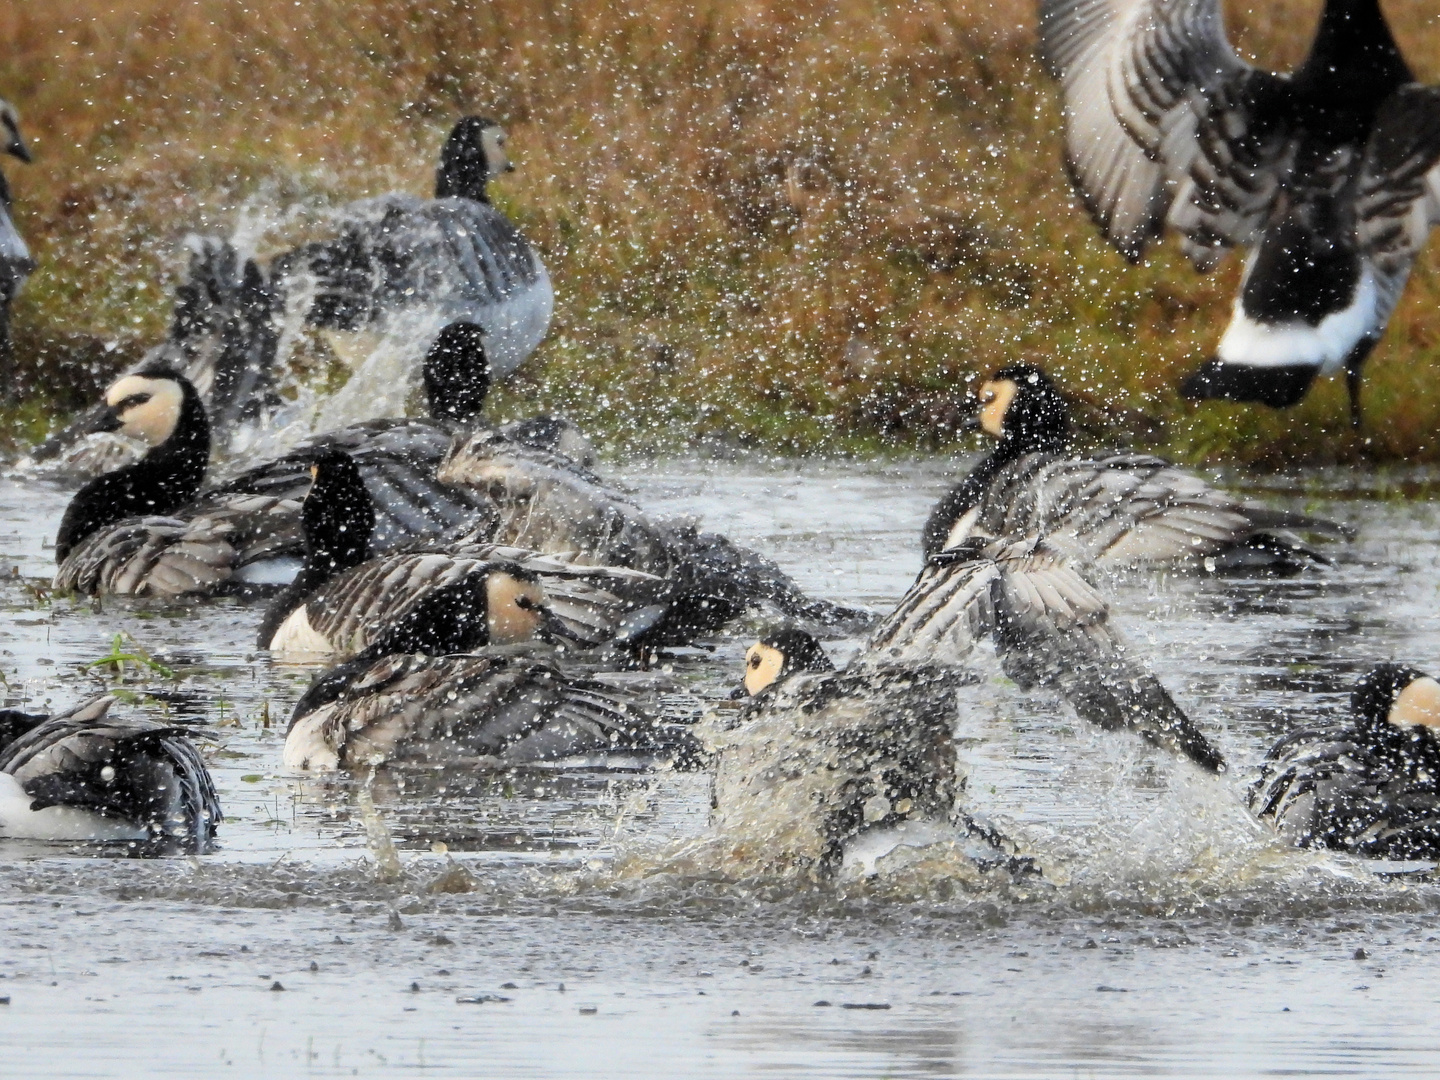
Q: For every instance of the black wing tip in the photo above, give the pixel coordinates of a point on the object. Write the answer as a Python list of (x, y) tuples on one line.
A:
[(1279, 387)]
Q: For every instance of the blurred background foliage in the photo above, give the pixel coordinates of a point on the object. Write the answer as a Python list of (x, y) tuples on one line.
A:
[(798, 225)]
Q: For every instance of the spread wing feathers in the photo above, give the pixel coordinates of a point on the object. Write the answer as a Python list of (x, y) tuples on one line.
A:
[(502, 708), (397, 459), (133, 769), (546, 504), (180, 556), (1131, 509), (1325, 788), (1049, 628), (1156, 106), (1398, 195)]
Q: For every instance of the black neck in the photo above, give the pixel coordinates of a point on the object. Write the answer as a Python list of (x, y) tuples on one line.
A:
[(1354, 54), (160, 483), (460, 176), (338, 518)]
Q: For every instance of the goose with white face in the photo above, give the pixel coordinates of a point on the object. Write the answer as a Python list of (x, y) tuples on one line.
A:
[(492, 143), (1417, 706), (996, 397), (763, 664), (516, 609), (144, 408)]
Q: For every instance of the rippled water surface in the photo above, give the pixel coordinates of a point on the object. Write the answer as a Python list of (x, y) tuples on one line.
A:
[(1170, 936)]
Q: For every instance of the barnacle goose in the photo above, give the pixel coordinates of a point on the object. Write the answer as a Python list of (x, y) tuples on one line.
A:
[(341, 599), (1114, 509), (139, 531), (547, 506), (1048, 626), (823, 770), (427, 691), (15, 260), (1327, 175), (1369, 785), (398, 457), (400, 261), (222, 338), (84, 775)]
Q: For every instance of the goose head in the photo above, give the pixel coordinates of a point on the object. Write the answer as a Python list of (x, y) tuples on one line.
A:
[(338, 515), (10, 141), (494, 604), (779, 655), (472, 156), (155, 405), (1392, 703), (457, 373), (1021, 407)]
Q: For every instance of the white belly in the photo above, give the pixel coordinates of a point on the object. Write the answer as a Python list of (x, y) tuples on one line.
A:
[(19, 822)]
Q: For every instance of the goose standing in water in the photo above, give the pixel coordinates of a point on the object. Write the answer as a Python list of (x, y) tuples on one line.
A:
[(1369, 785), (139, 531), (1114, 510), (83, 775), (1328, 175), (15, 260)]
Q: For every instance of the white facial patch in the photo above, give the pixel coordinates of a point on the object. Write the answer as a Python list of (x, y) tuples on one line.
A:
[(1417, 705), (516, 609), (492, 141), (995, 400), (148, 408), (763, 664)]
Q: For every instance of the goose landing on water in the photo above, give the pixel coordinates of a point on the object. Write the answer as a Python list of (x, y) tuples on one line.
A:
[(84, 776), (1328, 176)]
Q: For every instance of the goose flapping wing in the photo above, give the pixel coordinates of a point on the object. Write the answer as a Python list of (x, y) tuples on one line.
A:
[(1398, 196), (1160, 122), (1049, 627), (1127, 509)]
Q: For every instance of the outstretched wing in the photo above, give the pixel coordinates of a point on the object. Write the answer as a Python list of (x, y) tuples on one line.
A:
[(1049, 627), (1398, 197), (1129, 509), (1158, 111)]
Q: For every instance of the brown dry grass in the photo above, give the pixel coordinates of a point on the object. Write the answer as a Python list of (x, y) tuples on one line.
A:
[(796, 223)]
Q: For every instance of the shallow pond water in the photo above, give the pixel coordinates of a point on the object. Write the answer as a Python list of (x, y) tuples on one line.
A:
[(1171, 936)]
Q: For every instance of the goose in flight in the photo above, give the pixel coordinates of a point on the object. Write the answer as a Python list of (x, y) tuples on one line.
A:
[(1327, 176)]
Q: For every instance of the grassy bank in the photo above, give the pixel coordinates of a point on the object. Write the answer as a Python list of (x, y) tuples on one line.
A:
[(794, 224)]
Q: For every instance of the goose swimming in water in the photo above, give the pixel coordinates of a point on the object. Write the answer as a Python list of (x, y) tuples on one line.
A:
[(139, 531), (545, 505), (428, 691), (16, 262), (342, 599), (1369, 785), (83, 775), (1114, 510), (1328, 175)]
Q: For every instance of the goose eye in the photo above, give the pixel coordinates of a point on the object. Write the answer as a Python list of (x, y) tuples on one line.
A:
[(524, 603), (755, 661)]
